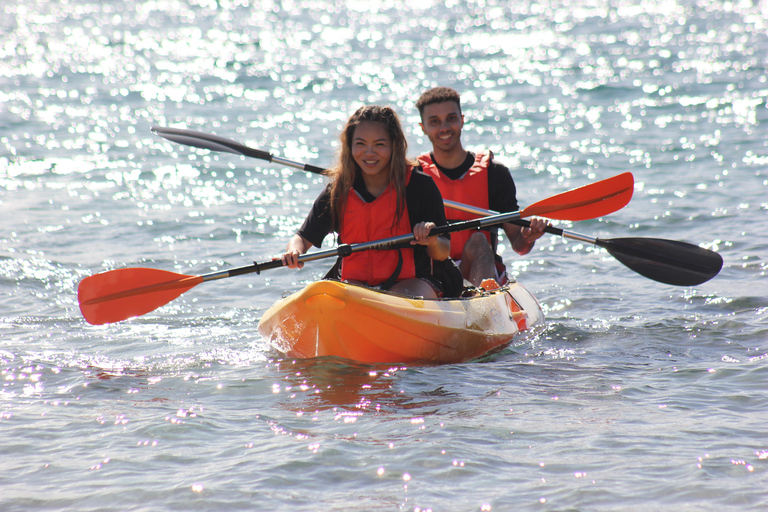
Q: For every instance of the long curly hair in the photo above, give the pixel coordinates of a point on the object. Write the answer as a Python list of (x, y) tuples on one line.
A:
[(343, 174)]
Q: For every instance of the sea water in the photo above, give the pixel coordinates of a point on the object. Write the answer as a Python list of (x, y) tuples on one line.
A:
[(633, 395)]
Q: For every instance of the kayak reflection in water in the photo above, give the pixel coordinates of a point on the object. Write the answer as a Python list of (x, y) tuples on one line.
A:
[(374, 194)]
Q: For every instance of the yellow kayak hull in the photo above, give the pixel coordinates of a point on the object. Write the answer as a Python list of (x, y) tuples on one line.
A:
[(331, 318)]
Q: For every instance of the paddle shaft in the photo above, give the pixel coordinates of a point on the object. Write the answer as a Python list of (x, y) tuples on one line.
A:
[(520, 222), (386, 243)]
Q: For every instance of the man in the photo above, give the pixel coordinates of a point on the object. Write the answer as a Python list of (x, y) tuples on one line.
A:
[(471, 179)]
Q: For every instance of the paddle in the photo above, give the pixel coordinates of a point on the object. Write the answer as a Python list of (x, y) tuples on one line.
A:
[(119, 294), (665, 261)]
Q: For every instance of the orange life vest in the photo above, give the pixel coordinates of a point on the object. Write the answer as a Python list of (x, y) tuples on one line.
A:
[(366, 222), (471, 189)]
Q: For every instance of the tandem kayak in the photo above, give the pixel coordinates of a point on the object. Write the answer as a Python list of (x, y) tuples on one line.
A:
[(332, 318)]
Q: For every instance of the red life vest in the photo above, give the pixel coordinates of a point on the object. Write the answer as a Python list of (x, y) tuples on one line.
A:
[(471, 189), (366, 222)]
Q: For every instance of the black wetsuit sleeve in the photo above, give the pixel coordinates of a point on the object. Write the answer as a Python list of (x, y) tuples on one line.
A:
[(319, 220), (425, 204), (502, 192)]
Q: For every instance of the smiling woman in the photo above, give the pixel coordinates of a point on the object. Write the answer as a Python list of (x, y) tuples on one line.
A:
[(374, 194), (372, 152)]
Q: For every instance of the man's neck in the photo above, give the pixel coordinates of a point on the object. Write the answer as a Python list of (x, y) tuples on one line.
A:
[(450, 159)]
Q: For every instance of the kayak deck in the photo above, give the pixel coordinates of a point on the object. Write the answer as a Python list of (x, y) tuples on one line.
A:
[(332, 318)]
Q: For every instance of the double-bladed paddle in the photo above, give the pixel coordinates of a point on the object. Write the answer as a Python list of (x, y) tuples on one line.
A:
[(666, 261), (120, 294)]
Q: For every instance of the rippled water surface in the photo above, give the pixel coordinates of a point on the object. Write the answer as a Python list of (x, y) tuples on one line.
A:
[(633, 396)]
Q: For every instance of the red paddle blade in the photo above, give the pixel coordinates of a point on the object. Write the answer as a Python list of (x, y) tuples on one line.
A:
[(587, 202), (127, 292)]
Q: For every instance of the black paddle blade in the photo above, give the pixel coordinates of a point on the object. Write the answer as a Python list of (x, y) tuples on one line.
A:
[(666, 261)]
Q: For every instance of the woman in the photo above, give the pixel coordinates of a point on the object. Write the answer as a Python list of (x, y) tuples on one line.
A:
[(373, 195)]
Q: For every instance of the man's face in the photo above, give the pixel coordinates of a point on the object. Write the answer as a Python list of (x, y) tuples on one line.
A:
[(442, 124)]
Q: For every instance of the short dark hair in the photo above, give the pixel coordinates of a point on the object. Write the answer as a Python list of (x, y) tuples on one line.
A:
[(438, 95)]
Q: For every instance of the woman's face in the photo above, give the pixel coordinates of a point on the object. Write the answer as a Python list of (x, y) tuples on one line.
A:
[(372, 148)]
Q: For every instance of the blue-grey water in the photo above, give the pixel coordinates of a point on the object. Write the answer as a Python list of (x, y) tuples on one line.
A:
[(633, 396)]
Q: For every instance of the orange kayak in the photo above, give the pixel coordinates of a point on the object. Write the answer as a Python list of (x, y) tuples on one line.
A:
[(331, 318)]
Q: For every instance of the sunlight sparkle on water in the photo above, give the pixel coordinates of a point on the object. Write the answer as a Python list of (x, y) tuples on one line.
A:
[(563, 93)]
